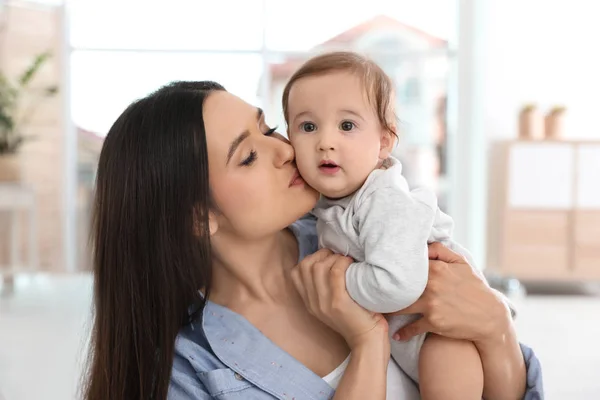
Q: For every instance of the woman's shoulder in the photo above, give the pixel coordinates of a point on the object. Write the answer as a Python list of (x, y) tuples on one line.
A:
[(197, 372), (192, 359), (191, 345), (305, 230)]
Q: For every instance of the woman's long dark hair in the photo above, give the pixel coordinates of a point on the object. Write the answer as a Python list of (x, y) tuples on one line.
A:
[(150, 241)]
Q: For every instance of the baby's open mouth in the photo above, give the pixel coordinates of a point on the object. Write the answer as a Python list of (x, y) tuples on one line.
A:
[(328, 166)]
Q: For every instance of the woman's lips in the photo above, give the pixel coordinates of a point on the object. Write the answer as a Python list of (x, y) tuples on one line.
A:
[(296, 179)]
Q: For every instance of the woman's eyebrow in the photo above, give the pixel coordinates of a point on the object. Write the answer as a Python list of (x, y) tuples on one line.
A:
[(240, 138)]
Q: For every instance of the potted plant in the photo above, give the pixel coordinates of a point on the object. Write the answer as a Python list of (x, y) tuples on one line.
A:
[(14, 115), (555, 122), (530, 123)]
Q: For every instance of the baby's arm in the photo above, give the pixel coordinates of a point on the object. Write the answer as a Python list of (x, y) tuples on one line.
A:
[(393, 228)]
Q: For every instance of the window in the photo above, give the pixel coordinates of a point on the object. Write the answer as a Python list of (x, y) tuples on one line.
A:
[(176, 24), (105, 83), (125, 49), (299, 26)]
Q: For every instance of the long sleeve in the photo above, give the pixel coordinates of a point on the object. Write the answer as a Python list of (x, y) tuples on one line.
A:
[(443, 225), (535, 382), (393, 228)]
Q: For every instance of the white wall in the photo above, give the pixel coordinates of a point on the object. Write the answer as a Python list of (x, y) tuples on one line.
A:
[(542, 51), (512, 52)]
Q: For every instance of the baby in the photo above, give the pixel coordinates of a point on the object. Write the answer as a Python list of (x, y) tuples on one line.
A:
[(339, 109)]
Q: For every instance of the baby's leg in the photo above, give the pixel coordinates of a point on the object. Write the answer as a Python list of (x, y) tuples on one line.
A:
[(450, 369)]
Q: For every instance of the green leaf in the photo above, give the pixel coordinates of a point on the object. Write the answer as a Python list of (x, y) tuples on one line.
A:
[(32, 70), (6, 122), (8, 93), (11, 135)]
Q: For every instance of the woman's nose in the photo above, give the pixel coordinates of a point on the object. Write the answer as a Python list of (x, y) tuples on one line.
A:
[(284, 153)]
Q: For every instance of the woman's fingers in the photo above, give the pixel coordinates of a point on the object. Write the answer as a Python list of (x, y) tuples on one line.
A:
[(300, 273), (311, 280), (297, 279), (338, 274), (321, 281), (317, 256), (309, 286), (320, 276), (438, 251), (413, 329)]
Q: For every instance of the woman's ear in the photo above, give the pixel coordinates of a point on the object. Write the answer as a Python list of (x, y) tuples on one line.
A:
[(213, 223), (388, 140)]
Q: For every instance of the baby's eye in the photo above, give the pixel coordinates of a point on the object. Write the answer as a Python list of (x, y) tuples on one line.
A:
[(308, 127), (347, 126)]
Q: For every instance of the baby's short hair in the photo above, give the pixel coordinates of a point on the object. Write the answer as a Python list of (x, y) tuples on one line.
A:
[(379, 87)]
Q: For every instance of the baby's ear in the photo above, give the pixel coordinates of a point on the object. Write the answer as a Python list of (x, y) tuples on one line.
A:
[(388, 141)]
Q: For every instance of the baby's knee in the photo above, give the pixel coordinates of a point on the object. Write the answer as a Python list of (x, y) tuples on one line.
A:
[(450, 369)]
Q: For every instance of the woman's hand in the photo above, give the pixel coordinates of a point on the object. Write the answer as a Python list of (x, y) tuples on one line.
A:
[(321, 281), (320, 278), (456, 303)]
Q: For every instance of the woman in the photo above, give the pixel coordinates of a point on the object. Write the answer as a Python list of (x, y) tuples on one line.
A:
[(194, 197)]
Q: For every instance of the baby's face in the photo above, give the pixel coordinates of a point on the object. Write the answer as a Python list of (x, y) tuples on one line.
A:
[(335, 133)]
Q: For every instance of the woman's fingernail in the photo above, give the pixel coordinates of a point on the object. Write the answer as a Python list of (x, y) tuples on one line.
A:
[(396, 336)]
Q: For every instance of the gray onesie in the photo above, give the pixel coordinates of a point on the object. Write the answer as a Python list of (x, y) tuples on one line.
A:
[(386, 227)]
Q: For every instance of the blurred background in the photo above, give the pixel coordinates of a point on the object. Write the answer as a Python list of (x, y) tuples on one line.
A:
[(498, 109)]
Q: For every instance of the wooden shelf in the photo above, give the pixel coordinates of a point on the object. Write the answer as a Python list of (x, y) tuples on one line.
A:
[(544, 215)]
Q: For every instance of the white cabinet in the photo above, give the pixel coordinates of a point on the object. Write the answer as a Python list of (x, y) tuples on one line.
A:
[(544, 215), (588, 177), (541, 176)]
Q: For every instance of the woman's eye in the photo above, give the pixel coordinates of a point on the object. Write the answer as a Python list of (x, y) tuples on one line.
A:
[(271, 131), (308, 127), (347, 126), (250, 159)]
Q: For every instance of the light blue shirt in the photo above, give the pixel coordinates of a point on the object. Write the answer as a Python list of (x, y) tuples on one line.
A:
[(221, 355)]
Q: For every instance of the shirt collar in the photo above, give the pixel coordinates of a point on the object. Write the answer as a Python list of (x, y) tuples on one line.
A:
[(244, 349)]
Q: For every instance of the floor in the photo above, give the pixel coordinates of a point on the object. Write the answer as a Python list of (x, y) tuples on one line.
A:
[(564, 331), (43, 332)]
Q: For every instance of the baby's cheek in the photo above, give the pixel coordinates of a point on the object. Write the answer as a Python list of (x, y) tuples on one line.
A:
[(308, 172), (303, 168), (302, 159)]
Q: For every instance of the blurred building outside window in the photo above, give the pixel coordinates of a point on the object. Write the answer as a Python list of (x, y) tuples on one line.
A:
[(122, 50)]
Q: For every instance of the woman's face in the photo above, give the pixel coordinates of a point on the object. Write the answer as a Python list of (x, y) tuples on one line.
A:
[(252, 173)]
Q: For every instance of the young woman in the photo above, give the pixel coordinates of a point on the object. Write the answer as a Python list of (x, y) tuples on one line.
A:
[(208, 286)]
